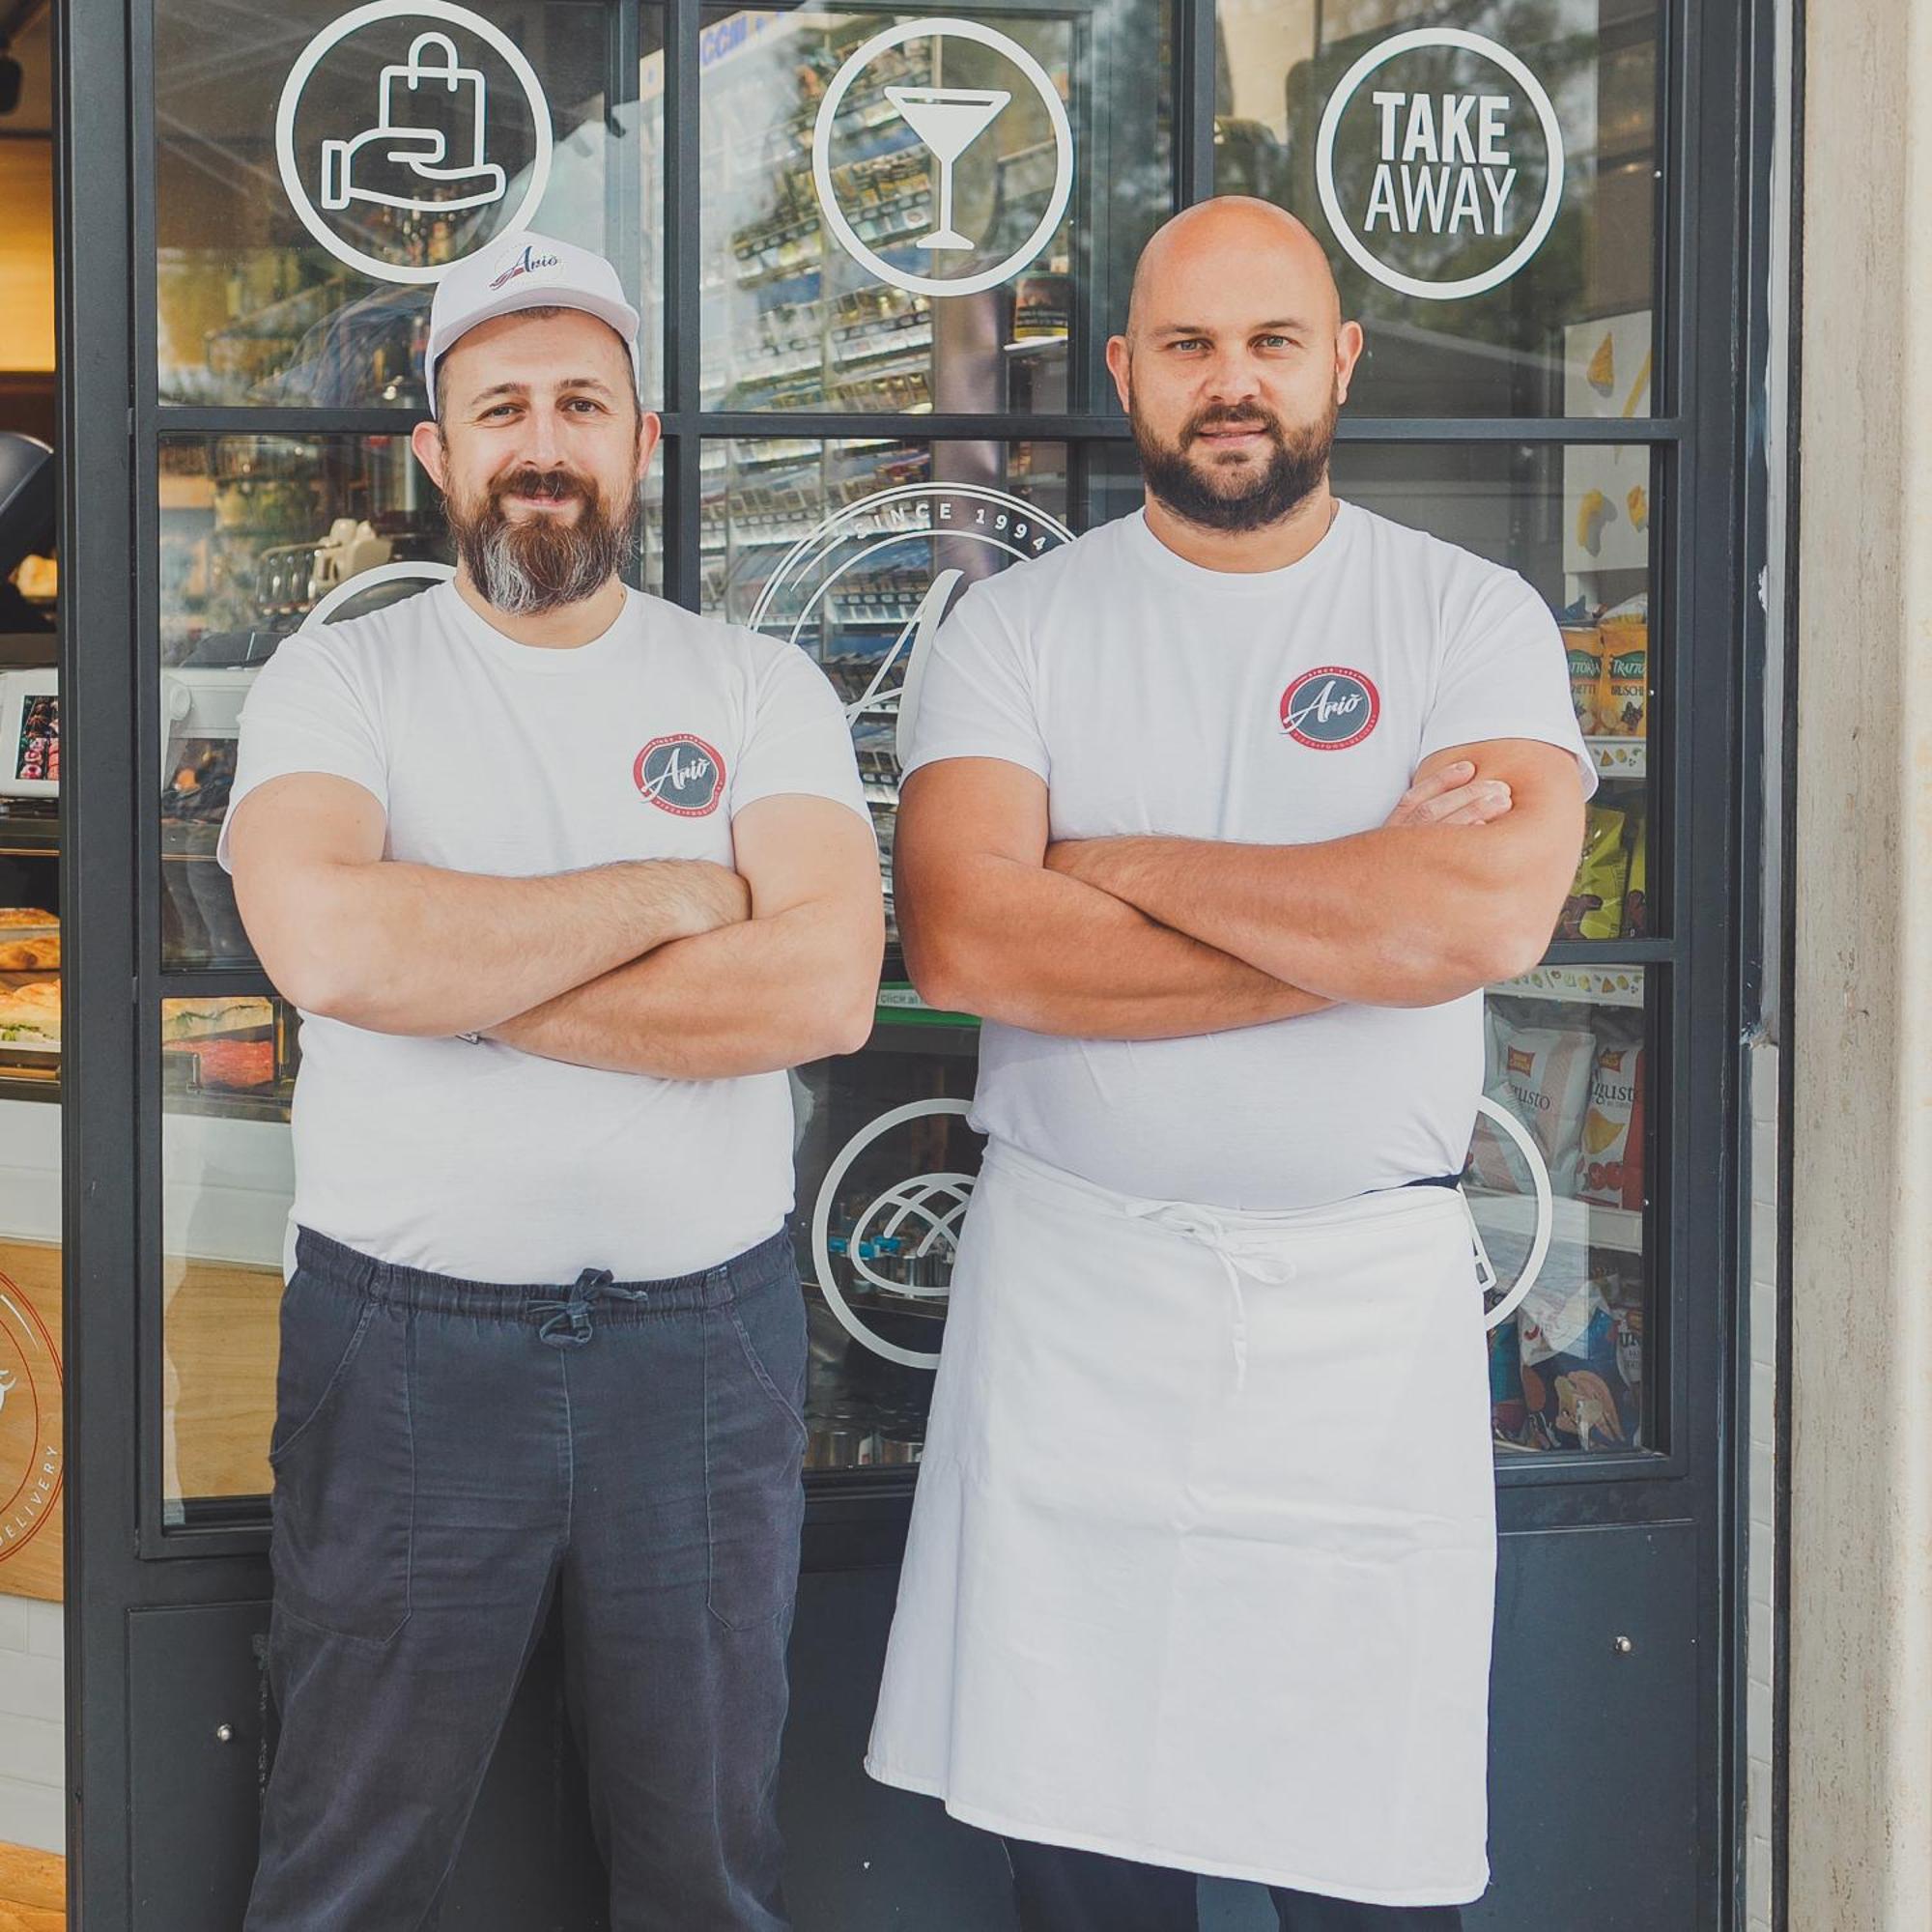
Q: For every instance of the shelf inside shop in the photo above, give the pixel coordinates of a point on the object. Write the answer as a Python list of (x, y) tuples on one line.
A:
[(1578, 1224), (1594, 985), (1618, 757)]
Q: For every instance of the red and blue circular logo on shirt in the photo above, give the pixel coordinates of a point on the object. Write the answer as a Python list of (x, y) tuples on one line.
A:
[(681, 775), (1331, 708)]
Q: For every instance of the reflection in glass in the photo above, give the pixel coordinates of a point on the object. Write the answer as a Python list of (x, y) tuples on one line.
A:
[(1567, 1057), (851, 548), (1575, 520), (1439, 164), (253, 308), (228, 1067), (943, 160), (886, 1166)]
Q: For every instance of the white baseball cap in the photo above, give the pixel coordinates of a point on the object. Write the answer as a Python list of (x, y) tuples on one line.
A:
[(523, 271)]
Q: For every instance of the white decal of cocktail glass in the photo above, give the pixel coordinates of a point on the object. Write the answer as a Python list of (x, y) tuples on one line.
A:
[(948, 120)]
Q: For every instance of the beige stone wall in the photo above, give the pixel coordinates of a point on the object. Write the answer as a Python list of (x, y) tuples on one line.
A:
[(1861, 1655)]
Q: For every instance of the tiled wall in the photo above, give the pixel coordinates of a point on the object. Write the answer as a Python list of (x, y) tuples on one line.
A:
[(32, 1771)]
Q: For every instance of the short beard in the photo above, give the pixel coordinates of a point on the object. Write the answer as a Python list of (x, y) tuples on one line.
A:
[(1294, 471), (541, 565)]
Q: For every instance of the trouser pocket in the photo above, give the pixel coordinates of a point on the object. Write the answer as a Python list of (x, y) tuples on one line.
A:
[(754, 1450), (344, 1459)]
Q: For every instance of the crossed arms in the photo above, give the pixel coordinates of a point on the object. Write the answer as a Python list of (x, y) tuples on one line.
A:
[(678, 968), (1154, 938)]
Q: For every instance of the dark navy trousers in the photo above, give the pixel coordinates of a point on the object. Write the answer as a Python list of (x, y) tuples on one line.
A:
[(450, 1458), (1061, 1890)]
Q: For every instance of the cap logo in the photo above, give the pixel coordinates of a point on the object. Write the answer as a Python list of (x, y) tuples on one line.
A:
[(1331, 708), (681, 775), (528, 262)]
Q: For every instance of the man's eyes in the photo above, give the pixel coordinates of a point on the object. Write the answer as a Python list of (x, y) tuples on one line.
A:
[(580, 405)]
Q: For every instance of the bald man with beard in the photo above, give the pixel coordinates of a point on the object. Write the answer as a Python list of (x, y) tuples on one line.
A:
[(1221, 817)]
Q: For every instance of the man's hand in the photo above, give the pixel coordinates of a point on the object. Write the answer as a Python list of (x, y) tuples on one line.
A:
[(714, 896), (1452, 796)]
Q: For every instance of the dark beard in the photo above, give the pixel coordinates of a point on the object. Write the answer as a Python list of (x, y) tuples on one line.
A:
[(1294, 471), (524, 569)]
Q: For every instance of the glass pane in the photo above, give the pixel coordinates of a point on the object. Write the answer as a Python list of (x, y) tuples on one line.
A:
[(1576, 521), (228, 1067), (886, 1164), (898, 220), (1417, 141), (848, 548), (1568, 1062), (256, 305), (256, 533)]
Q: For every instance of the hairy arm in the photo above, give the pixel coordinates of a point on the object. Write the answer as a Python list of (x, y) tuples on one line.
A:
[(988, 929), (1410, 915), (794, 983), (407, 948)]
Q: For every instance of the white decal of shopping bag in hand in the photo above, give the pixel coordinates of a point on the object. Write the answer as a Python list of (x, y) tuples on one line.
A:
[(392, 156)]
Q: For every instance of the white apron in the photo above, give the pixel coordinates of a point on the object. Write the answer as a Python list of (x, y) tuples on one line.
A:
[(1203, 1559)]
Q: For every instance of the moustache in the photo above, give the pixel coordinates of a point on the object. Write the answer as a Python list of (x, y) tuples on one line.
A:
[(1218, 419), (556, 486)]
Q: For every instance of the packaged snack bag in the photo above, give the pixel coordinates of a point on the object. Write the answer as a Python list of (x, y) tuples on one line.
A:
[(1584, 646), (1543, 1075), (1623, 696), (1595, 907), (1609, 1152), (1637, 908), (1574, 1394)]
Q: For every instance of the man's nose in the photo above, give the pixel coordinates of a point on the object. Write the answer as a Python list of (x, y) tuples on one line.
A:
[(1231, 377), (545, 447)]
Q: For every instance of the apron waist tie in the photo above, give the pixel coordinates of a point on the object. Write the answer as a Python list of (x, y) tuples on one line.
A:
[(1239, 1255)]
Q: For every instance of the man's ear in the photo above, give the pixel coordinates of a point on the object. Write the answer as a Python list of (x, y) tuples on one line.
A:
[(1120, 364), (650, 427), (426, 439), (1348, 352)]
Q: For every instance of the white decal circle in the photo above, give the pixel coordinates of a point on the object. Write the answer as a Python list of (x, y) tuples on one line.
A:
[(325, 43), (1042, 83), (1546, 1212), (1357, 250)]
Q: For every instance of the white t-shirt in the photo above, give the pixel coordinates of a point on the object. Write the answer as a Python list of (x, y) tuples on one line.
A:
[(488, 755), (1278, 707)]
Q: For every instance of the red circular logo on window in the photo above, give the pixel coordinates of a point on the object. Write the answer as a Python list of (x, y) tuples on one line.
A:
[(1331, 708)]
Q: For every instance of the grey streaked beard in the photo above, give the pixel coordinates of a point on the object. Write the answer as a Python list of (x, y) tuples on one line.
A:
[(524, 570)]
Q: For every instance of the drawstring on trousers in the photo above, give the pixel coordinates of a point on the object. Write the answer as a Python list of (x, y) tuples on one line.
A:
[(566, 1324)]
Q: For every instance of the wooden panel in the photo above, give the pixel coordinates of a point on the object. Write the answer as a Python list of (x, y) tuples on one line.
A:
[(31, 1413), (27, 254), (33, 1890), (222, 1340)]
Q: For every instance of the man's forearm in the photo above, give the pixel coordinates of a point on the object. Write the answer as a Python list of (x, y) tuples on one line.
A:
[(416, 949), (1406, 916), (750, 998), (1035, 949)]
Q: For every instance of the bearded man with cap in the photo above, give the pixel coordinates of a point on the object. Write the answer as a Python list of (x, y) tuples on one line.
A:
[(562, 879), (1221, 816)]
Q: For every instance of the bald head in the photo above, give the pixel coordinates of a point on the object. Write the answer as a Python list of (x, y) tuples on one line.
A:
[(1232, 243)]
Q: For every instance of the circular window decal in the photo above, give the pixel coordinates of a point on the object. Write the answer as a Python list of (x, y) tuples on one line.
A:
[(1448, 163)]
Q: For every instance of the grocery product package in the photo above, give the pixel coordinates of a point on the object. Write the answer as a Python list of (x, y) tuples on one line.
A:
[(1543, 1075), (1584, 646), (1623, 697), (1636, 905), (1595, 907), (1610, 1153), (1574, 1392)]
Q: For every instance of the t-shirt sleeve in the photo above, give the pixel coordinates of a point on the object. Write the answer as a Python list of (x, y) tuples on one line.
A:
[(977, 697), (799, 740), (308, 712), (1504, 675)]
